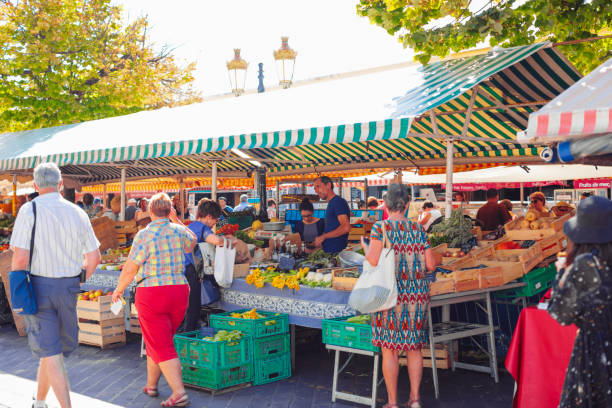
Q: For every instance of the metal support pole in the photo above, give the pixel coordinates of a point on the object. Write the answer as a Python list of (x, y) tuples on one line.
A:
[(213, 184), (522, 193), (278, 199), (365, 188), (123, 198), (104, 196), (14, 195), (448, 197), (182, 198)]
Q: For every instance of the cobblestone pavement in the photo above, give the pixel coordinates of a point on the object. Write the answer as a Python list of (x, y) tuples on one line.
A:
[(114, 378)]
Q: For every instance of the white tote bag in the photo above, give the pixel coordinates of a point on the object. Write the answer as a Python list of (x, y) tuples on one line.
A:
[(376, 288), (208, 252), (224, 264)]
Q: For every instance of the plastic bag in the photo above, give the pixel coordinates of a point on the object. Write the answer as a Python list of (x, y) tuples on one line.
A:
[(376, 288), (224, 264)]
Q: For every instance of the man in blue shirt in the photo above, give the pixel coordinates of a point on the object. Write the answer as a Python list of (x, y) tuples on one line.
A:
[(337, 218), (225, 209)]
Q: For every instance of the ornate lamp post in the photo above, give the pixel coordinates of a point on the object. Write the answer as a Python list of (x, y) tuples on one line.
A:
[(237, 73), (285, 63)]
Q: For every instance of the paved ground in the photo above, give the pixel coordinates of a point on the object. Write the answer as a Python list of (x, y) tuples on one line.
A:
[(113, 378)]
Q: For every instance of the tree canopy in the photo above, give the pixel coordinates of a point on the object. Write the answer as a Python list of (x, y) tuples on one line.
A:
[(68, 61), (437, 27)]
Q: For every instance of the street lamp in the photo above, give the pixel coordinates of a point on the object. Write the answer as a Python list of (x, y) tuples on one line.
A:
[(285, 63), (237, 73)]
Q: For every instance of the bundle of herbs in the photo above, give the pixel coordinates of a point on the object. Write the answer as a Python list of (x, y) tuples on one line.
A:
[(457, 229)]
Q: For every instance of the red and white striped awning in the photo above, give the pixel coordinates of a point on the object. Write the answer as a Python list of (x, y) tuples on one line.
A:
[(582, 110)]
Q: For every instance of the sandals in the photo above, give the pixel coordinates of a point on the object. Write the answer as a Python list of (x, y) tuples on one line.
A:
[(150, 391), (387, 405), (181, 401), (414, 404)]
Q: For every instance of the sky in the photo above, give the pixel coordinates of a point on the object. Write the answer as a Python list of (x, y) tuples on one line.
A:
[(328, 36)]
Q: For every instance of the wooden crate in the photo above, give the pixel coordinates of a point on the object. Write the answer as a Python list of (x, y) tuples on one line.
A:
[(515, 233), (97, 310), (553, 245), (105, 334), (341, 282), (126, 227), (241, 270), (438, 252), (5, 267), (528, 258), (441, 286), (135, 324), (104, 229), (442, 356), (490, 277)]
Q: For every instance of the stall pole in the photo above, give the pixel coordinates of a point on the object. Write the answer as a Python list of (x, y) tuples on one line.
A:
[(303, 188), (182, 198), (104, 196), (522, 193), (14, 195), (278, 199), (261, 192), (365, 188), (213, 189), (122, 213), (448, 197)]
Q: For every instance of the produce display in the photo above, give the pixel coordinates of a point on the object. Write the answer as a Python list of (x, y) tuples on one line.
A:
[(515, 245), (291, 280), (93, 295), (249, 314), (249, 238), (533, 221), (361, 319), (228, 229), (4, 244), (7, 221), (457, 229), (224, 335), (111, 266)]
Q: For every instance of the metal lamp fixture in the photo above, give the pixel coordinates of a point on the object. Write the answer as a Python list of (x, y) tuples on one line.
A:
[(237, 73), (285, 63)]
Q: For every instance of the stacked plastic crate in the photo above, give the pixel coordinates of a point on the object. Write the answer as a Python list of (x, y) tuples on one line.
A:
[(271, 343), (214, 365)]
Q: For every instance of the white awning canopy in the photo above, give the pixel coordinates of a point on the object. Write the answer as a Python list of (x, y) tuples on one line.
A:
[(584, 109)]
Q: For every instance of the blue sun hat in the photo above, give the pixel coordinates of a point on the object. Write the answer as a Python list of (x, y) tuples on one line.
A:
[(592, 223)]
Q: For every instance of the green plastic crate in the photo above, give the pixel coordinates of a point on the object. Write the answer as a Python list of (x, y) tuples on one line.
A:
[(243, 221), (272, 369), (272, 345), (339, 332), (195, 351), (536, 281), (271, 324), (217, 379)]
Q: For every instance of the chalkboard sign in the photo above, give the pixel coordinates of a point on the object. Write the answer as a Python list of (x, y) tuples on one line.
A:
[(355, 194)]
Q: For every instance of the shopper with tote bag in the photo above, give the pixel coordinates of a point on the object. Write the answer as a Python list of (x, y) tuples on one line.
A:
[(402, 327)]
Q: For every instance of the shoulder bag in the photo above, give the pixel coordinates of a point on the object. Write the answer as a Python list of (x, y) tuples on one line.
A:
[(23, 298), (376, 288)]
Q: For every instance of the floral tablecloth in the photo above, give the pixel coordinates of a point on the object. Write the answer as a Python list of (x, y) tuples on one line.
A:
[(306, 307)]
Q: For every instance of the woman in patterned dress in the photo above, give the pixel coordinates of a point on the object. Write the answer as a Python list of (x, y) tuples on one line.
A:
[(402, 328)]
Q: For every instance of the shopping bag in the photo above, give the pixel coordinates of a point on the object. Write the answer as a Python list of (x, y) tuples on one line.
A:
[(376, 288), (210, 291), (224, 263), (207, 253)]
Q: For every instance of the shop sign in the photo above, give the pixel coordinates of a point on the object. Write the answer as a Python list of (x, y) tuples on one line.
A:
[(592, 183)]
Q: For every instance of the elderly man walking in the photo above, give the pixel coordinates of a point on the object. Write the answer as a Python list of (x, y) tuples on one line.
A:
[(64, 243)]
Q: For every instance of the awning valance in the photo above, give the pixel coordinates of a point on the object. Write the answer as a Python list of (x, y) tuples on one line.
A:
[(392, 117)]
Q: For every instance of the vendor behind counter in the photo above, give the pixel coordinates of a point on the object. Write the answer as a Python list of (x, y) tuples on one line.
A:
[(310, 227), (337, 218)]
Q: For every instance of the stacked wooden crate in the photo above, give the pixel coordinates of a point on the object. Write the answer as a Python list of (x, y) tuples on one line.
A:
[(442, 355), (125, 231), (98, 325)]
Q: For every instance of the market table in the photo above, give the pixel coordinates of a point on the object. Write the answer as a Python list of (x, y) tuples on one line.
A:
[(106, 280), (538, 358), (306, 307), (447, 331)]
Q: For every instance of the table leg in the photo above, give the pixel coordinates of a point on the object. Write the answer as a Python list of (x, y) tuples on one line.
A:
[(375, 381), (451, 353), (492, 348), (433, 353), (335, 380), (292, 345)]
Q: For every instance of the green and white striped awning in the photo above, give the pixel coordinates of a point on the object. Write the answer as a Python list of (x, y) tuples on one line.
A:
[(379, 118)]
